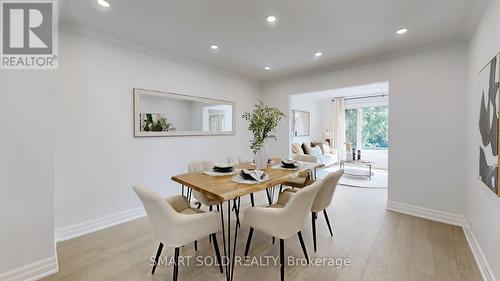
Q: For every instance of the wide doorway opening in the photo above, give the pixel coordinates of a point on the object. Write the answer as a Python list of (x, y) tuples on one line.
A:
[(351, 128)]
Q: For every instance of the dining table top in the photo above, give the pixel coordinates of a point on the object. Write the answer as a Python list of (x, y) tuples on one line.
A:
[(222, 188)]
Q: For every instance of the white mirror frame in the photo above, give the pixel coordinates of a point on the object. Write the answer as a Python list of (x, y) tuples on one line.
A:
[(137, 122)]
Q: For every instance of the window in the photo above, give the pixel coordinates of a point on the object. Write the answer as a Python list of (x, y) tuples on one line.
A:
[(351, 115), (367, 127)]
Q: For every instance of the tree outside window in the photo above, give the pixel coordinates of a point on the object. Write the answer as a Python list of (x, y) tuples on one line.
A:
[(351, 116), (373, 126)]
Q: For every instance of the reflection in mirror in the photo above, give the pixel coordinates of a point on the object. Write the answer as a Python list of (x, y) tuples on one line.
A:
[(166, 114)]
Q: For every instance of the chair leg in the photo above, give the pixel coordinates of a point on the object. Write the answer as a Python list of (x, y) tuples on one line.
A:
[(199, 205), (176, 264), (328, 222), (249, 240), (252, 200), (303, 245), (274, 239), (281, 188), (210, 208), (217, 253), (158, 254), (282, 259), (196, 245), (314, 229)]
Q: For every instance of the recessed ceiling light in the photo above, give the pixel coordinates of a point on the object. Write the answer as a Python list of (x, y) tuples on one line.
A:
[(318, 54), (271, 19), (214, 47), (402, 31), (103, 3), (267, 68)]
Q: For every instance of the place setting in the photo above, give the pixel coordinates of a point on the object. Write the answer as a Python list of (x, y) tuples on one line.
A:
[(249, 176), (290, 165), (222, 169)]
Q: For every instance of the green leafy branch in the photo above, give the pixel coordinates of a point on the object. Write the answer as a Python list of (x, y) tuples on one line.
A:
[(262, 123)]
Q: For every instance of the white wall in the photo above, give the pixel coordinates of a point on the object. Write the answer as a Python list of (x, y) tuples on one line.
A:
[(483, 206), (326, 116), (426, 132), (96, 156), (26, 171)]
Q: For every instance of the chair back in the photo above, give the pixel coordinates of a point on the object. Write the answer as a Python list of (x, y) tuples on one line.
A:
[(299, 206), (236, 160), (201, 166), (325, 194), (162, 215)]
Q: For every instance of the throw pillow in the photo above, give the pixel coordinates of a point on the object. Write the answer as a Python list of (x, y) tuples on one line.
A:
[(307, 148), (326, 148), (297, 149), (317, 143), (316, 151)]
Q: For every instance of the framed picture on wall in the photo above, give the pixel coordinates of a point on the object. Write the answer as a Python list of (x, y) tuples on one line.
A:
[(301, 123), (488, 82)]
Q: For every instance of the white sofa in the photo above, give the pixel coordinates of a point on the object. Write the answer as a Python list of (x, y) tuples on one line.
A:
[(328, 158)]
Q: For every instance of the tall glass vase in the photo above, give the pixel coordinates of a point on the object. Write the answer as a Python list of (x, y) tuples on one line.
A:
[(261, 158)]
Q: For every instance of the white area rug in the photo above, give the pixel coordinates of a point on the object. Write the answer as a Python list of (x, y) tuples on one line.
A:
[(378, 180)]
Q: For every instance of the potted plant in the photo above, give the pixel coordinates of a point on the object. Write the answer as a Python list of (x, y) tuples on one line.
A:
[(262, 123)]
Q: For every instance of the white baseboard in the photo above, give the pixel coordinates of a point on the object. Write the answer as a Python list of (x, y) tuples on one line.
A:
[(482, 263), (72, 231), (425, 213), (452, 219), (34, 271)]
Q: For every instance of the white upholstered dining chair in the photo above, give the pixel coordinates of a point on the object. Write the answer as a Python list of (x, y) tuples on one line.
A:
[(199, 167), (283, 219), (322, 200), (176, 224), (236, 160)]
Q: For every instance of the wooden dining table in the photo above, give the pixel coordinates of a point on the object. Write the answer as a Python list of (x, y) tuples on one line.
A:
[(223, 189)]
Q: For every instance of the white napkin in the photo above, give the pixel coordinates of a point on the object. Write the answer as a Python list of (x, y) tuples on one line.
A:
[(256, 174)]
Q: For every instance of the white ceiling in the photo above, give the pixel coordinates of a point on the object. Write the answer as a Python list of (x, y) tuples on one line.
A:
[(343, 30)]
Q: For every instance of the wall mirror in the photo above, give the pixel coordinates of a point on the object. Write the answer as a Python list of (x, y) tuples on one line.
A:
[(300, 123), (167, 114)]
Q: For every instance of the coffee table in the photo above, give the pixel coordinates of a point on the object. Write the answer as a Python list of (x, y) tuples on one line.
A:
[(360, 163)]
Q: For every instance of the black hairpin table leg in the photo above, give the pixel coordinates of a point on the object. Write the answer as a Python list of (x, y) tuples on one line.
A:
[(226, 240)]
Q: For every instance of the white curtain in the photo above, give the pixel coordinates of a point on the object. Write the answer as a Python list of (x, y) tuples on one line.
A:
[(339, 127)]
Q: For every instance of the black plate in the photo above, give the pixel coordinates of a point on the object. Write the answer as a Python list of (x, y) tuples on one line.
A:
[(223, 170), (289, 165)]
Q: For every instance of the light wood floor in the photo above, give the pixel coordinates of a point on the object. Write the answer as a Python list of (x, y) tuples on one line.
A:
[(381, 245)]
